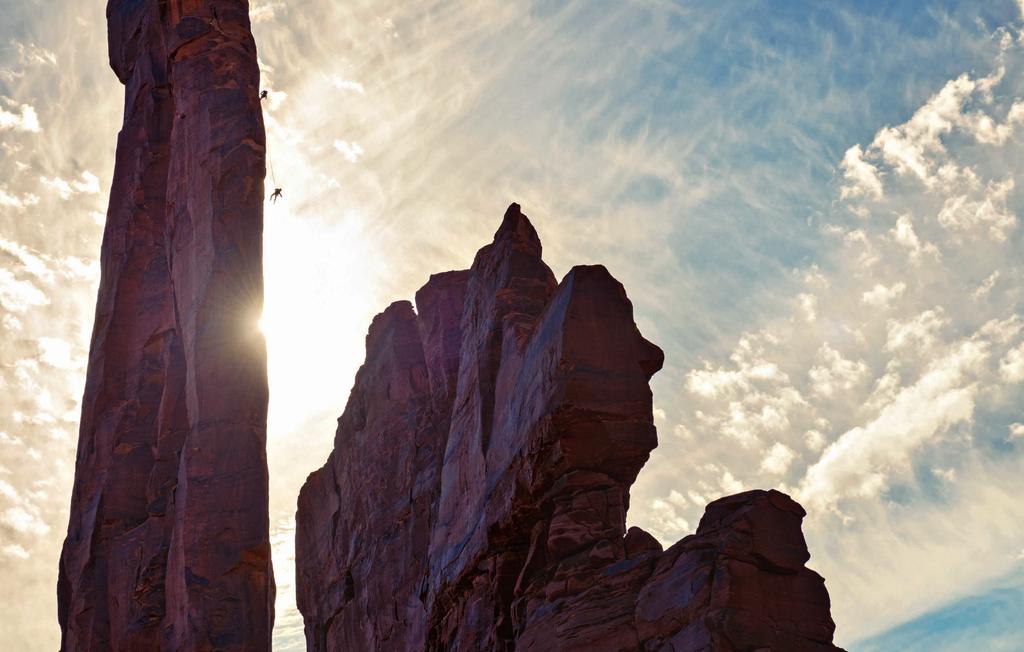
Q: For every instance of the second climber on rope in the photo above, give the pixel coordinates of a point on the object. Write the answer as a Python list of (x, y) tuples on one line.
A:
[(264, 94), (277, 194)]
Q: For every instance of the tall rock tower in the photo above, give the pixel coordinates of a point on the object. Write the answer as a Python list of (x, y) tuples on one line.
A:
[(476, 496), (167, 545)]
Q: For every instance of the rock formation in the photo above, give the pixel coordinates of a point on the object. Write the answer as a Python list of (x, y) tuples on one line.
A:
[(167, 545), (477, 492)]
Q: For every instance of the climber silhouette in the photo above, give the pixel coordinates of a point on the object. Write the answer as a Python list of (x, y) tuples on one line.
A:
[(264, 94), (276, 195)]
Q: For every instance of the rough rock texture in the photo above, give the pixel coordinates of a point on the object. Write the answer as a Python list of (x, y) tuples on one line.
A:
[(167, 545), (477, 492)]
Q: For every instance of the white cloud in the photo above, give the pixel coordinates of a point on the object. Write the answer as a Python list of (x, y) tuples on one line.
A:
[(347, 85), (10, 322), (868, 252), (78, 268), (880, 295), (678, 499), (905, 235), (862, 178), (747, 399), (14, 550), (920, 333), (753, 368), (835, 372), (946, 475), (682, 432), (966, 213), (59, 353), (17, 295), (17, 202), (22, 118), (352, 151), (38, 419), (885, 389), (916, 148), (988, 131), (6, 438), (1017, 431), (261, 11), (730, 485), (910, 147), (861, 462), (1011, 368), (664, 521), (87, 183), (757, 414), (697, 498), (814, 278), (23, 521), (814, 440), (777, 459), (710, 382), (1002, 331), (31, 54), (30, 260), (808, 304), (8, 491), (985, 288)]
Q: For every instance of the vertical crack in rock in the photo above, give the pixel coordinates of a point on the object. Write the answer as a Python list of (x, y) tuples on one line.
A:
[(477, 492), (167, 545)]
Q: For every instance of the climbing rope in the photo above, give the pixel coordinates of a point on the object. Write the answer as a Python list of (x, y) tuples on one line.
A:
[(270, 162), (274, 196)]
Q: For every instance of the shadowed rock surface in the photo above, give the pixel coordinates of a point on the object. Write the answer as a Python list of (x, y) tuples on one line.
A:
[(477, 492), (167, 545)]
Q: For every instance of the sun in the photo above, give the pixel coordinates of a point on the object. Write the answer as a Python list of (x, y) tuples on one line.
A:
[(314, 318)]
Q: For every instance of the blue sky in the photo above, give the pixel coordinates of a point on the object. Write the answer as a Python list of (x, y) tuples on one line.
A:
[(989, 621), (814, 207)]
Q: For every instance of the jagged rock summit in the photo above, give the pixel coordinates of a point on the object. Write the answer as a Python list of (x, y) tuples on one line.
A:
[(167, 545), (477, 492)]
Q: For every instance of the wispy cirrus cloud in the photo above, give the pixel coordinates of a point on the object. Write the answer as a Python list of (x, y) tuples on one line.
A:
[(983, 621), (30, 54)]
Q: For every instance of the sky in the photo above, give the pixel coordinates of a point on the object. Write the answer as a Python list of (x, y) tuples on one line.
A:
[(814, 207)]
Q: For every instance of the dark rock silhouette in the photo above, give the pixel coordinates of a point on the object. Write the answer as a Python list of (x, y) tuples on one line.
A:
[(167, 545), (477, 492)]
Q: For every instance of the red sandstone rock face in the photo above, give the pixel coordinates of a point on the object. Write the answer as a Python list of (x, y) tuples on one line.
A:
[(476, 496), (167, 545)]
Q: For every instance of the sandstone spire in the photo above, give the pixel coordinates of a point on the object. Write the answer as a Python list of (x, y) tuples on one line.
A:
[(167, 545)]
